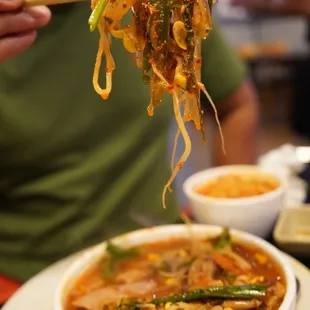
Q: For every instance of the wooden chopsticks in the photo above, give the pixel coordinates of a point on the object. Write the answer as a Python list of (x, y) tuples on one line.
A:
[(29, 3)]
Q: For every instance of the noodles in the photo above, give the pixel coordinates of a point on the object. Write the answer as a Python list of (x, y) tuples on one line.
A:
[(215, 113), (187, 142), (104, 48), (165, 36), (175, 143)]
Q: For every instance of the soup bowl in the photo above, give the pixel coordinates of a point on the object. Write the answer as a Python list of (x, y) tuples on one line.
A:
[(254, 214), (89, 258)]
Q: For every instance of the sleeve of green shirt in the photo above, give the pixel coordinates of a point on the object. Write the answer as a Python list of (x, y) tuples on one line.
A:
[(222, 71)]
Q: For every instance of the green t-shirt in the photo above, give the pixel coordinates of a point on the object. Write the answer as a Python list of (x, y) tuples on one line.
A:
[(74, 169)]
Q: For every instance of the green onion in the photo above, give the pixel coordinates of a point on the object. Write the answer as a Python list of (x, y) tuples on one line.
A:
[(188, 13), (116, 254), (224, 240), (223, 292), (96, 14)]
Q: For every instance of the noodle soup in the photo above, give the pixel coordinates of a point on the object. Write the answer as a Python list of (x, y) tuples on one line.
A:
[(213, 273)]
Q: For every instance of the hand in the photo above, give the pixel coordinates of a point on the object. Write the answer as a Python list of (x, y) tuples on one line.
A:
[(18, 26)]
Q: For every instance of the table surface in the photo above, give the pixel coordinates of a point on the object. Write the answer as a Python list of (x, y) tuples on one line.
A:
[(304, 260)]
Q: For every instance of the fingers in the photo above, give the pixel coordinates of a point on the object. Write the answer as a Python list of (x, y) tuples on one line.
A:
[(41, 14), (13, 45), (20, 21), (10, 5), (18, 25)]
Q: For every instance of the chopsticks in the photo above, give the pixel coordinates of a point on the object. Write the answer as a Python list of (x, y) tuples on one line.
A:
[(29, 3)]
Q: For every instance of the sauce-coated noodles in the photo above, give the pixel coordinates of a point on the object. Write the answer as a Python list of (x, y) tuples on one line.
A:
[(165, 36)]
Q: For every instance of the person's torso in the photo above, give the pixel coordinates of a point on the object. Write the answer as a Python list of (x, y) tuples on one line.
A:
[(74, 169)]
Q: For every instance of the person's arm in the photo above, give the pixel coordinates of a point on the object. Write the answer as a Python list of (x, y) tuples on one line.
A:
[(18, 25), (239, 120), (225, 78), (286, 7)]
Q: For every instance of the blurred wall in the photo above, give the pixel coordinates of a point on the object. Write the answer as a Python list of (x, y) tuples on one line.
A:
[(291, 30)]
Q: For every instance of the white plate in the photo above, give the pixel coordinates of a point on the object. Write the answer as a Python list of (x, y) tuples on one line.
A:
[(38, 292)]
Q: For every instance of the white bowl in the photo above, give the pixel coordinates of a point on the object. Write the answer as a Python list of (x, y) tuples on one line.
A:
[(160, 233), (255, 215)]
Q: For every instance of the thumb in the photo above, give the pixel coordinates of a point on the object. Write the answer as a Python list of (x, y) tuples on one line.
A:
[(40, 14)]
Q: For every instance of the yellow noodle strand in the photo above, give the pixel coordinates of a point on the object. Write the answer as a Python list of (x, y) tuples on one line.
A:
[(201, 86), (104, 48), (187, 142)]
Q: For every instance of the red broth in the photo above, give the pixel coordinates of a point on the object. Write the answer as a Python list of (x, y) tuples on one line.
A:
[(161, 269)]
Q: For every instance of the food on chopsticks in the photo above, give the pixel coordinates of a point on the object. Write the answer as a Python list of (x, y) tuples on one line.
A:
[(181, 274), (165, 36), (238, 185)]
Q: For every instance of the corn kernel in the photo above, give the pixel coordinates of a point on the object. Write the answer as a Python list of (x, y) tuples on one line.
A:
[(167, 305), (153, 256), (170, 281), (228, 308), (261, 258), (257, 279), (183, 253)]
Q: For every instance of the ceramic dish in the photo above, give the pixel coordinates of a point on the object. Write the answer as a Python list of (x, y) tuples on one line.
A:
[(292, 231), (161, 233), (255, 214)]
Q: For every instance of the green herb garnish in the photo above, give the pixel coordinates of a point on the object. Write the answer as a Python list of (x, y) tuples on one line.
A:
[(116, 254), (224, 240)]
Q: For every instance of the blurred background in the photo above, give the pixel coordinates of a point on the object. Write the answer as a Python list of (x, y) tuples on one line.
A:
[(276, 51)]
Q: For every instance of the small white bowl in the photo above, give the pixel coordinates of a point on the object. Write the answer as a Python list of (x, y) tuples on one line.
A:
[(292, 232), (255, 215), (161, 233)]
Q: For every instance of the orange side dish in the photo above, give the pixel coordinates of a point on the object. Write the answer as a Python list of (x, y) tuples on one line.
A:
[(238, 186)]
